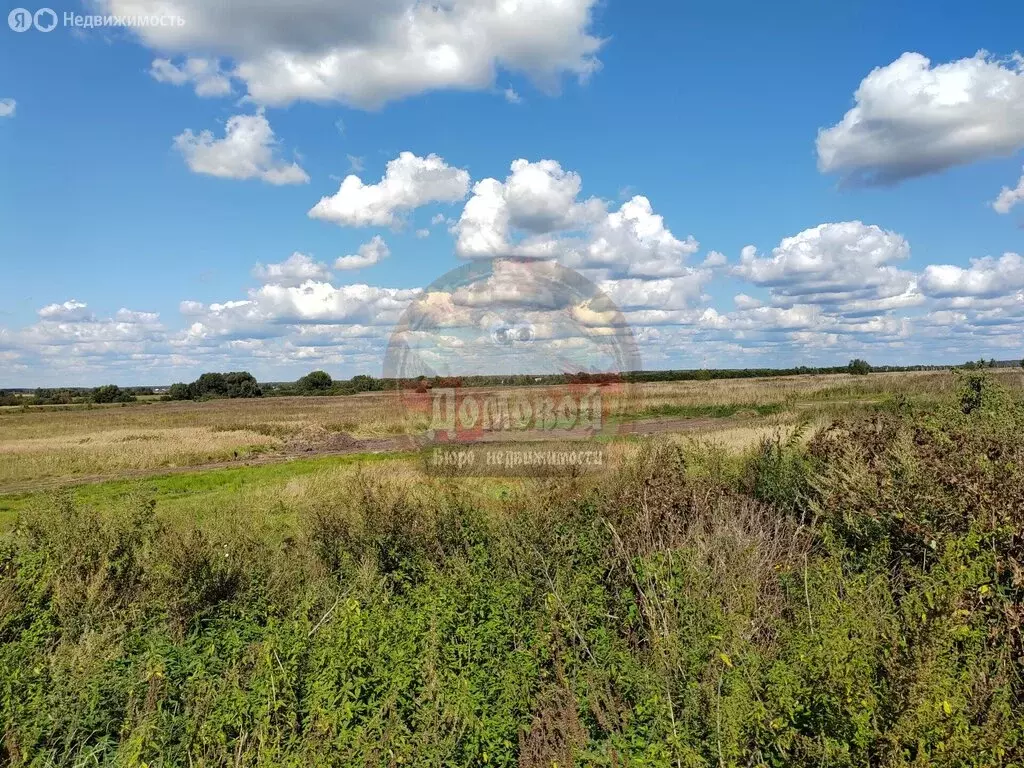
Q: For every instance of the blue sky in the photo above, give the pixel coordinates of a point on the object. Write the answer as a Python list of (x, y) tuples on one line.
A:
[(130, 239)]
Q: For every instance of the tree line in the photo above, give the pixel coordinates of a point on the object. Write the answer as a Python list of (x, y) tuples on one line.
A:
[(242, 384), (108, 393)]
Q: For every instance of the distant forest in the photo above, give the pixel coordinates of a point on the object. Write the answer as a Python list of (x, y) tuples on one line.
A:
[(242, 384)]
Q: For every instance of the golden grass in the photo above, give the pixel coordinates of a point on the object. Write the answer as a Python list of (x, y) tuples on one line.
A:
[(122, 449), (790, 389), (47, 444)]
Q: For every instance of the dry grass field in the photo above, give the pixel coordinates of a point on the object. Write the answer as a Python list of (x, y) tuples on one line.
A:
[(47, 446)]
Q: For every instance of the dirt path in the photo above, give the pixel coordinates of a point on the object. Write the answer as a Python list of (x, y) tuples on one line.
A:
[(337, 445)]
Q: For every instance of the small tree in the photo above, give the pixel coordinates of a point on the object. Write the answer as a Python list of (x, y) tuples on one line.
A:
[(317, 381), (180, 391), (112, 393), (363, 383), (859, 367)]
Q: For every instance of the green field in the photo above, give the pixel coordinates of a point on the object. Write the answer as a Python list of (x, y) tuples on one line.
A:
[(774, 572)]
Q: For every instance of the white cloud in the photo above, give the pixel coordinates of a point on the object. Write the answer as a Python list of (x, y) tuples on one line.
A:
[(512, 97), (537, 213), (70, 311), (409, 182), (714, 260), (847, 265), (69, 332), (271, 310), (205, 75), (634, 242), (136, 318), (369, 254), (423, 234), (542, 198), (1009, 197), (518, 217), (743, 301), (296, 270), (911, 118), (365, 54), (765, 319), (669, 293), (247, 151), (8, 107), (987, 277)]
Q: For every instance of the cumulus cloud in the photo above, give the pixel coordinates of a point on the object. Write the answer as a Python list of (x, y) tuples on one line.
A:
[(714, 260), (634, 242), (8, 107), (68, 335), (369, 254), (247, 151), (1009, 197), (296, 270), (537, 212), (848, 265), (70, 311), (271, 310), (518, 217), (764, 319), (987, 277), (409, 182), (911, 118), (136, 318), (366, 54), (669, 293), (205, 75), (743, 301)]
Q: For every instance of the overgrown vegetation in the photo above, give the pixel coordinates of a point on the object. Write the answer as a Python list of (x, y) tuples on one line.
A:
[(847, 597), (111, 393), (238, 384), (859, 367)]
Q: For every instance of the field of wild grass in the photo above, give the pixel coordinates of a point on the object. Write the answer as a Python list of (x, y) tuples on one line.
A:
[(838, 580), (46, 446)]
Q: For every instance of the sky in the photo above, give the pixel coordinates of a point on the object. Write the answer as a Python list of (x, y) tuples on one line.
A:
[(197, 185)]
